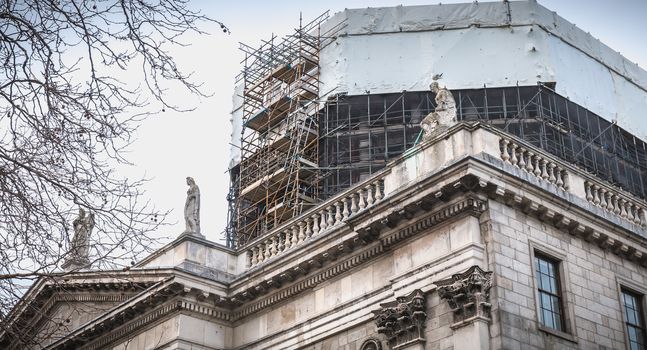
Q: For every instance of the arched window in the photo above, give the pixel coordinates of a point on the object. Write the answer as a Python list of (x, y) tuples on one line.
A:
[(371, 344)]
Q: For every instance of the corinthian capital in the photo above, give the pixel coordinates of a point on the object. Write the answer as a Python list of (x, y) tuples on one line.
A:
[(467, 294)]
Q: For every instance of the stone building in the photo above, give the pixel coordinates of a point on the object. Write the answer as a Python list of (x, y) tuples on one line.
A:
[(520, 224)]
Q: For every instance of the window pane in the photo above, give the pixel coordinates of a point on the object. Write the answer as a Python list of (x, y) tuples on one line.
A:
[(549, 294), (633, 318), (548, 319), (545, 283)]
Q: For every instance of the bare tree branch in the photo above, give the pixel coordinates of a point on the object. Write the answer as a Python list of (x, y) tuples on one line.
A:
[(66, 116)]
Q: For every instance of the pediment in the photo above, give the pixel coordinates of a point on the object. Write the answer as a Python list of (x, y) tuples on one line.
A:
[(72, 310), (59, 309)]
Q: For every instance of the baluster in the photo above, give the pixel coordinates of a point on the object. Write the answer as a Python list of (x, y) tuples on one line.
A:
[(274, 249), (522, 158), (610, 201), (254, 256), (261, 253), (353, 204), (295, 236), (288, 239), (513, 157), (302, 234), (630, 211), (308, 227), (566, 181), (643, 217), (346, 211), (362, 200), (378, 191), (589, 195), (282, 238), (560, 177), (323, 224), (544, 173), (596, 195), (616, 205), (603, 199), (623, 207), (551, 173), (338, 215), (638, 215), (331, 216), (537, 170), (315, 224), (369, 195), (529, 166), (268, 250), (504, 150)]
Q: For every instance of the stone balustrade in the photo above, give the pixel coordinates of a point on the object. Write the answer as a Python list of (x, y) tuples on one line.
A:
[(533, 161), (614, 201), (324, 217)]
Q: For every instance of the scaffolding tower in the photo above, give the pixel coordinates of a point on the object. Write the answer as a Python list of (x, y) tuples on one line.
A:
[(276, 178)]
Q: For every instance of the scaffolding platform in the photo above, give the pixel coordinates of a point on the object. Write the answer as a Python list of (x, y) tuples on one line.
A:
[(268, 117), (278, 173)]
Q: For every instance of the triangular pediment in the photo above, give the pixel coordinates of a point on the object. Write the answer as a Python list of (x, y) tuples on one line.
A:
[(54, 309), (71, 310)]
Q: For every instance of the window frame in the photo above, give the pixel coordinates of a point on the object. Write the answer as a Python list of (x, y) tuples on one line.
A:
[(560, 258), (559, 294), (639, 291)]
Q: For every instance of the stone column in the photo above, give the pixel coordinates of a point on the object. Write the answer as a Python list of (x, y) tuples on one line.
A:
[(468, 295)]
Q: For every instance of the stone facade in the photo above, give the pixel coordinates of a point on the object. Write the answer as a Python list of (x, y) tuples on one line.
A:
[(442, 258), (439, 250)]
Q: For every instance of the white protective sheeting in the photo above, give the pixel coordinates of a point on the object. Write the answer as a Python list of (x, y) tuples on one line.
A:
[(494, 44), (236, 125)]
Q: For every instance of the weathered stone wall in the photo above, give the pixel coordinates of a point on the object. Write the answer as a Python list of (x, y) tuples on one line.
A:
[(337, 313), (591, 276)]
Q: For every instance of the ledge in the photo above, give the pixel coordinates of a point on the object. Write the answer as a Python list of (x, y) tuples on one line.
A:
[(559, 334)]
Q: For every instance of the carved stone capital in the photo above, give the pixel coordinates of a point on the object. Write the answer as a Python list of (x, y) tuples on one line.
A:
[(468, 295), (402, 321)]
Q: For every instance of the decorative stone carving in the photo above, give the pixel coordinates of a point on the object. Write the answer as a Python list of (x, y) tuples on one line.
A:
[(402, 321), (79, 252), (443, 116), (192, 207), (468, 295), (371, 344)]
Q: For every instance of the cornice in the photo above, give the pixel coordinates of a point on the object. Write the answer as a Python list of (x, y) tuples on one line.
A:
[(36, 312), (355, 249)]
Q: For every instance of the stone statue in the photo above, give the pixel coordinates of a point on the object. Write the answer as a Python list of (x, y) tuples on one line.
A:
[(445, 114), (192, 207), (80, 246)]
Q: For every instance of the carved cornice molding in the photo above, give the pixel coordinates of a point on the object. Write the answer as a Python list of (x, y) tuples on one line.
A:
[(469, 205), (321, 267), (149, 308), (578, 222), (402, 321), (468, 295), (169, 308), (40, 306)]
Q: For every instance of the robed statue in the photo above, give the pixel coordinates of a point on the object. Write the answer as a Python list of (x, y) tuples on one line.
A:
[(444, 115), (192, 207), (78, 255)]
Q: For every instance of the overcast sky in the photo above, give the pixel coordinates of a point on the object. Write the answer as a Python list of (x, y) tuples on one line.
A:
[(172, 146)]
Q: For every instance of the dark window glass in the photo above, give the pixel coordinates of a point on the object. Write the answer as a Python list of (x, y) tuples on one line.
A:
[(550, 299), (634, 319)]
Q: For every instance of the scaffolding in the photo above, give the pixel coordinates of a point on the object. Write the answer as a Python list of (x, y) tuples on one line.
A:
[(359, 134), (276, 178)]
